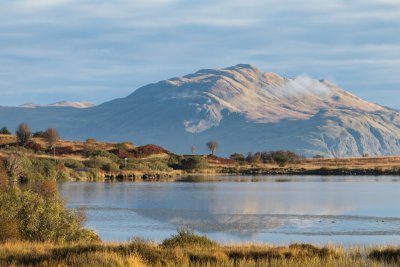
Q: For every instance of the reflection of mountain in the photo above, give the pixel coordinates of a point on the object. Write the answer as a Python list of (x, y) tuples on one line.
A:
[(244, 211), (249, 208), (238, 208)]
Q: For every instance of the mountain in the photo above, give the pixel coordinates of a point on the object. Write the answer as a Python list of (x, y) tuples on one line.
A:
[(60, 104), (240, 107)]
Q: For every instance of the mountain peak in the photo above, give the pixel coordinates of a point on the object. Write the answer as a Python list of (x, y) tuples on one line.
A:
[(241, 107)]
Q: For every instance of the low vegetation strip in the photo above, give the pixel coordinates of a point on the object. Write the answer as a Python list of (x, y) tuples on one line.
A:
[(189, 249)]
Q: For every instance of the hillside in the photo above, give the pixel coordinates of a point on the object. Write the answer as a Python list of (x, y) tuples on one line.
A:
[(241, 107)]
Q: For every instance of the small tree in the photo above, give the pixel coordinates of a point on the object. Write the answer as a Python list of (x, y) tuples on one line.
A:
[(193, 149), (52, 137), (24, 134), (5, 131), (212, 146)]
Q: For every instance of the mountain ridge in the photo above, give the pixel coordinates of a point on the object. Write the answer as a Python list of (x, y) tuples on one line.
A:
[(241, 107)]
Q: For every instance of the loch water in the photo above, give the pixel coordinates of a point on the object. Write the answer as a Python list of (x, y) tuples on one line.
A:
[(344, 210)]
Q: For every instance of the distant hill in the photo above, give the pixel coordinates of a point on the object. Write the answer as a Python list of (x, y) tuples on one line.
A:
[(60, 104), (240, 107)]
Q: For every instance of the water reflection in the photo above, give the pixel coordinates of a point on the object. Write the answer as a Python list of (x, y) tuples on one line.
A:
[(302, 208)]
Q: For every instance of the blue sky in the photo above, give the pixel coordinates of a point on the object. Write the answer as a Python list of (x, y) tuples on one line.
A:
[(94, 50)]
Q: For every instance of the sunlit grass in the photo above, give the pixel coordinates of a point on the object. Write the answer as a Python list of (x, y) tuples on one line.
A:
[(187, 249)]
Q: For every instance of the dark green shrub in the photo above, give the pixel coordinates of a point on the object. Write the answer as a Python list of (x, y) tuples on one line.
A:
[(5, 131), (282, 159), (188, 163), (194, 163)]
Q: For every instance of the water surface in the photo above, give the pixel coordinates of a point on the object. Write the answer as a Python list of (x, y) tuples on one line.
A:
[(274, 209)]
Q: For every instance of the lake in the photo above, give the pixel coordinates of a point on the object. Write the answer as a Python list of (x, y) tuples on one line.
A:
[(347, 210)]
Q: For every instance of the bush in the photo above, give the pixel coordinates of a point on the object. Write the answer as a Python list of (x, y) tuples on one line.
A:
[(149, 164), (188, 163), (39, 216), (237, 157), (148, 150), (103, 163), (101, 153), (193, 163), (42, 168), (34, 146), (281, 157), (8, 229), (73, 164), (187, 237), (5, 131)]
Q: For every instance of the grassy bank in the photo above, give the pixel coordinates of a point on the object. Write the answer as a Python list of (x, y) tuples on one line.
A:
[(99, 161), (186, 249)]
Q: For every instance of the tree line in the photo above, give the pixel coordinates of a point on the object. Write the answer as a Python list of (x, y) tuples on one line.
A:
[(280, 157)]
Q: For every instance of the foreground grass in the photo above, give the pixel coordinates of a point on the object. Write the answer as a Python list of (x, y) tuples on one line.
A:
[(186, 249)]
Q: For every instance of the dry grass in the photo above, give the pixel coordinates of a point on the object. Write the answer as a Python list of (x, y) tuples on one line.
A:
[(378, 163), (140, 253)]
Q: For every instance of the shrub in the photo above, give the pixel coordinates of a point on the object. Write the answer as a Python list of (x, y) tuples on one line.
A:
[(34, 146), (103, 163), (186, 237), (149, 164), (148, 150), (8, 228), (188, 162), (125, 146), (5, 131), (43, 168), (73, 164), (237, 157), (281, 157), (193, 163), (40, 217)]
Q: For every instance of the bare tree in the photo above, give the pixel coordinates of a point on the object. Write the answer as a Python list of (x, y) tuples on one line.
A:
[(24, 134), (14, 166), (212, 146), (193, 148), (52, 137)]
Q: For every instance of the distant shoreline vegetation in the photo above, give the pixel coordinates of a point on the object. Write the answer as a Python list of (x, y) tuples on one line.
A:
[(29, 156)]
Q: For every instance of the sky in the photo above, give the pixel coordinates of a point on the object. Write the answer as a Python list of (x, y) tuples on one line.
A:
[(95, 50)]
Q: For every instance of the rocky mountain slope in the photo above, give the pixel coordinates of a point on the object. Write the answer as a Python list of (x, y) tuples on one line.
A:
[(241, 107)]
